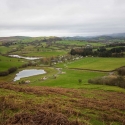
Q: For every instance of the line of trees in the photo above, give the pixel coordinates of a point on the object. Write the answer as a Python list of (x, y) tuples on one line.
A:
[(100, 52), (7, 72), (115, 44), (13, 69)]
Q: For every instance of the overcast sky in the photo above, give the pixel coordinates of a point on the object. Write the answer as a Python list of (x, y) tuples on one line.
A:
[(61, 17)]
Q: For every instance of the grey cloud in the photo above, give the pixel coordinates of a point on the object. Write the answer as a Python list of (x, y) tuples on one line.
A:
[(61, 16)]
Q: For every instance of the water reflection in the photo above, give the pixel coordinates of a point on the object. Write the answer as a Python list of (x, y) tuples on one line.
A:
[(28, 58), (27, 73)]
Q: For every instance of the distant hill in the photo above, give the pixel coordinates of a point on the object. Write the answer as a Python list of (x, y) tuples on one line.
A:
[(13, 38), (22, 37), (29, 39), (118, 35), (107, 37)]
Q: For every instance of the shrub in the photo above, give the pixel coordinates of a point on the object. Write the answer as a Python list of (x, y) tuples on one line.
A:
[(24, 65), (46, 61), (22, 82), (4, 73), (12, 69), (121, 71), (80, 80), (115, 81)]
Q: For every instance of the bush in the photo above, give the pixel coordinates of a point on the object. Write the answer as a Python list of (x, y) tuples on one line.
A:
[(11, 70), (24, 65), (80, 80), (4, 73), (116, 81), (121, 71), (46, 61), (22, 82)]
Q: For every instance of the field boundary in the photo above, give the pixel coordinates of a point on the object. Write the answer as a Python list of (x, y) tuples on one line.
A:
[(92, 70), (97, 70)]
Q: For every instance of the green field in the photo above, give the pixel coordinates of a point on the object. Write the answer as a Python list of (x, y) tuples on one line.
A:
[(4, 49), (79, 43), (67, 79), (47, 53), (31, 50), (70, 79), (95, 63), (8, 62)]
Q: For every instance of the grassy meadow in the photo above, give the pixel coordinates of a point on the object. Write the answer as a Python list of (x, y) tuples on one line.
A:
[(47, 53), (4, 49), (79, 43), (41, 51), (95, 63), (70, 79), (8, 62)]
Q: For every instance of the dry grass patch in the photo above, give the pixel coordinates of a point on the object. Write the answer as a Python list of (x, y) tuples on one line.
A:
[(61, 106)]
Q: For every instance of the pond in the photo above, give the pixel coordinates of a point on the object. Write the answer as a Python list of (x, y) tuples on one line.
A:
[(28, 58), (27, 73)]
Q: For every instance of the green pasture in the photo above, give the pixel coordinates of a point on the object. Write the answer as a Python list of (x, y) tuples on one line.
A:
[(67, 79), (4, 50), (97, 44), (46, 53), (25, 49), (32, 39), (69, 42), (70, 79), (31, 50), (79, 43), (95, 63), (8, 62)]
